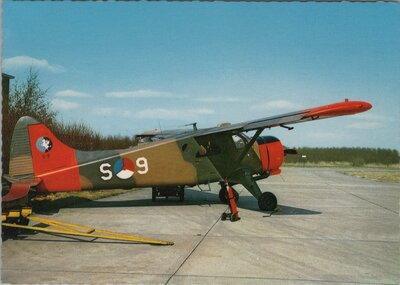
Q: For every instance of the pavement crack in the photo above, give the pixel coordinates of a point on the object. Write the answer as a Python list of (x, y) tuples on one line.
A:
[(193, 250), (362, 198)]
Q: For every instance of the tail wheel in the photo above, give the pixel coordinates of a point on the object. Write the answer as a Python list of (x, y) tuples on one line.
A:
[(223, 195), (267, 201)]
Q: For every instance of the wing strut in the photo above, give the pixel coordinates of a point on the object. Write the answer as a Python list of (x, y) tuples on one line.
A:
[(249, 145)]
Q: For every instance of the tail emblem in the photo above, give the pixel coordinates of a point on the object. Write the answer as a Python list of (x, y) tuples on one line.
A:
[(44, 144)]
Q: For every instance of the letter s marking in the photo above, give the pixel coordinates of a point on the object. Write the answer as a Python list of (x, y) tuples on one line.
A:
[(108, 172)]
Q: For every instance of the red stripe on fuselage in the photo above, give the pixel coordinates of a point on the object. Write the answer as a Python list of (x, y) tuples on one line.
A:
[(58, 157)]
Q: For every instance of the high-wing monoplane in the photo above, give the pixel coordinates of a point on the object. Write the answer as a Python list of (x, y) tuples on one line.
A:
[(227, 154)]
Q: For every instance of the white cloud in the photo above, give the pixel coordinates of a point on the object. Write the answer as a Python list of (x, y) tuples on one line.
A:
[(158, 113), (363, 125), (277, 104), (142, 93), (221, 99), (71, 93), (64, 105), (24, 61), (181, 114)]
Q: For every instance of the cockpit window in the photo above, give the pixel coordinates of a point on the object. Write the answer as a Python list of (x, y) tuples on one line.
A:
[(239, 141)]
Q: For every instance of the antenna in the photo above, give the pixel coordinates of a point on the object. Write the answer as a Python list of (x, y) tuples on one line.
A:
[(159, 126), (192, 124)]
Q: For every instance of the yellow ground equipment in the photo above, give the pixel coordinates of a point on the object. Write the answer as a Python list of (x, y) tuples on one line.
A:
[(19, 219)]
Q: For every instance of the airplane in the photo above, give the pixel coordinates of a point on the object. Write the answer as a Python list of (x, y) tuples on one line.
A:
[(226, 154)]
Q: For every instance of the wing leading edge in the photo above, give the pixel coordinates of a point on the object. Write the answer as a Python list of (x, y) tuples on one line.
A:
[(327, 111)]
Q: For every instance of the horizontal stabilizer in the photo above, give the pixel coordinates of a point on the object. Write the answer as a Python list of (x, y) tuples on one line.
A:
[(17, 191), (31, 180)]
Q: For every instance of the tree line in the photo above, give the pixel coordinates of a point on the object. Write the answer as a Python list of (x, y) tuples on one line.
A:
[(357, 156)]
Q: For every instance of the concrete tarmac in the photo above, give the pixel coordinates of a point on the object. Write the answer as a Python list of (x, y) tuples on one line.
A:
[(331, 229)]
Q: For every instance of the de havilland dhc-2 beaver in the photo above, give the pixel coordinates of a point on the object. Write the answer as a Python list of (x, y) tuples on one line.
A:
[(226, 154)]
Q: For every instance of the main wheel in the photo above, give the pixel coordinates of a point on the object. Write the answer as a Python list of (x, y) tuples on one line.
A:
[(235, 194), (223, 195), (153, 194), (267, 201), (181, 193)]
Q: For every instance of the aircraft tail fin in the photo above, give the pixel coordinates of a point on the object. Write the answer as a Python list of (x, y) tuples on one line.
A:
[(37, 152), (21, 163)]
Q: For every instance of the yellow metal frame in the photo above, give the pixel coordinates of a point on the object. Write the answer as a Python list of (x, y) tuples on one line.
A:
[(77, 230), (23, 212)]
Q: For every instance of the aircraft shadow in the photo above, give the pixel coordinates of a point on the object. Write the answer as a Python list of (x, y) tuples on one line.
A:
[(194, 197)]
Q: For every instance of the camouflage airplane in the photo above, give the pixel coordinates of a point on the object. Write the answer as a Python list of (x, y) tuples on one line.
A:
[(225, 154)]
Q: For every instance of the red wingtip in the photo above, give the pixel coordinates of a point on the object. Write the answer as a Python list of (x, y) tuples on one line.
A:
[(339, 109), (367, 106)]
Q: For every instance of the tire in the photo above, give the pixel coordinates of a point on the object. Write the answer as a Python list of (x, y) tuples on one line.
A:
[(23, 221), (235, 194), (182, 194), (153, 194), (9, 232), (224, 216), (267, 202), (222, 196)]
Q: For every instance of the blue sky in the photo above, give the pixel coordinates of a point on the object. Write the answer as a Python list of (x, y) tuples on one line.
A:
[(124, 68)]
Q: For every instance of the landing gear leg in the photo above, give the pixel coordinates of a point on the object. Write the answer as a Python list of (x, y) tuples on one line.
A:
[(232, 205), (223, 193), (234, 214), (266, 201)]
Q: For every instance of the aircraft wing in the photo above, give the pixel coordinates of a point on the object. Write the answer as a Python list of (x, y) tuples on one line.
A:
[(328, 111), (158, 134)]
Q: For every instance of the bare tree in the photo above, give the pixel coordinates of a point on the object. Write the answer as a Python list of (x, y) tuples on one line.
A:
[(26, 99), (29, 99)]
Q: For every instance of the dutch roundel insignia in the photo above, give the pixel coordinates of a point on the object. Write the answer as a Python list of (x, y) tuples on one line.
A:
[(124, 168), (44, 144)]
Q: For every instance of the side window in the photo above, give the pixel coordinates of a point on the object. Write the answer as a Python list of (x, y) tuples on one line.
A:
[(239, 142)]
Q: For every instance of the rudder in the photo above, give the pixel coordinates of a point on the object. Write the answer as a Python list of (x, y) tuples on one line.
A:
[(36, 151), (20, 152)]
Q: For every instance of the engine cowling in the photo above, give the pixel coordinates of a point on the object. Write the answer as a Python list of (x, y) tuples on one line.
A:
[(271, 153)]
